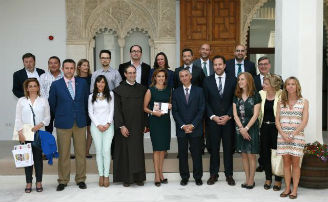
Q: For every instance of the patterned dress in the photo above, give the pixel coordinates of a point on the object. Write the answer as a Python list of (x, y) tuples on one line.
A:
[(290, 119), (245, 111)]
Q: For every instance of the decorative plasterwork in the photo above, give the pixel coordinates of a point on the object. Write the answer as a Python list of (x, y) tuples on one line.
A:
[(248, 10)]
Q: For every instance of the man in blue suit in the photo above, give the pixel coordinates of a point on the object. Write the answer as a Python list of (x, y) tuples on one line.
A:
[(188, 106), (68, 100), (219, 91)]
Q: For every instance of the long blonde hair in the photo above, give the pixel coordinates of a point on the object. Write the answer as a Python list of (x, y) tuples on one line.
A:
[(284, 94)]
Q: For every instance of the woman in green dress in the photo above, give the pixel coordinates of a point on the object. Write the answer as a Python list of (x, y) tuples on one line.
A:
[(246, 108), (156, 98)]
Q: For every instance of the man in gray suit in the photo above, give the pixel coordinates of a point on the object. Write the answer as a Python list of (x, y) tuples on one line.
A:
[(204, 61)]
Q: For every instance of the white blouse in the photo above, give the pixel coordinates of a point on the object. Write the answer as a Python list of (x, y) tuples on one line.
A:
[(24, 113), (101, 112)]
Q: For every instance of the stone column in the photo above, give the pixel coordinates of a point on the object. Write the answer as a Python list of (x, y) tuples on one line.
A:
[(298, 53)]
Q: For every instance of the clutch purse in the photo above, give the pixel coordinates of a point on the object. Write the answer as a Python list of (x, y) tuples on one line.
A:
[(27, 132)]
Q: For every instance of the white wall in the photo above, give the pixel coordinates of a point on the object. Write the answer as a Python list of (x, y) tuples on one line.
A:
[(25, 27)]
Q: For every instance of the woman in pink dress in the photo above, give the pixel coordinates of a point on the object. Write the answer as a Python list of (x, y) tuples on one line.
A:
[(291, 119)]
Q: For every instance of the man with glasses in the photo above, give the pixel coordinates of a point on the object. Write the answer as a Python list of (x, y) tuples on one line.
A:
[(264, 68), (142, 69), (239, 64), (112, 75)]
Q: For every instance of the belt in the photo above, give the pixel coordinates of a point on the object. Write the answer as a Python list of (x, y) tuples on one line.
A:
[(269, 122)]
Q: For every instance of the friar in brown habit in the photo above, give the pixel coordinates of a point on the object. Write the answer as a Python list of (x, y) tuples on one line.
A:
[(130, 123)]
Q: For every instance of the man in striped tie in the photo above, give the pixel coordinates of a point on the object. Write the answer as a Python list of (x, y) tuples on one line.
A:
[(68, 100)]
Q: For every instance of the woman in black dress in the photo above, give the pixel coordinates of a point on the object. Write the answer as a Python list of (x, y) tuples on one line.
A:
[(270, 96), (156, 97), (83, 71)]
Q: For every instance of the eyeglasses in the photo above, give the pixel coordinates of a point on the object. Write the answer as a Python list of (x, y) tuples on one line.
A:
[(136, 51), (105, 58), (263, 64)]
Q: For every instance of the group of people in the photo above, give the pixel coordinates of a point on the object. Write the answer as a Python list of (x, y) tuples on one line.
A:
[(212, 101)]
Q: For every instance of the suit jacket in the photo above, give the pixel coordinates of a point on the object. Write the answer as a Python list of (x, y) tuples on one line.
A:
[(257, 81), (198, 64), (18, 79), (215, 104), (249, 67), (65, 109), (197, 76), (191, 113), (145, 68), (263, 95)]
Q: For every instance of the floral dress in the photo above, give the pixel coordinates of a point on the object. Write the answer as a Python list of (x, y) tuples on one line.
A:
[(245, 111)]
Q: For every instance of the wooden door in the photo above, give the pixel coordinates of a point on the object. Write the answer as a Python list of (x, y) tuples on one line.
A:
[(216, 22)]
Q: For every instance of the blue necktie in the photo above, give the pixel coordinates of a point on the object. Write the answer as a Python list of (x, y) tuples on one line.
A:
[(70, 89)]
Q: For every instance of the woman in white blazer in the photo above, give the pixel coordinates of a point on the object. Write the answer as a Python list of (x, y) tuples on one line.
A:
[(270, 96)]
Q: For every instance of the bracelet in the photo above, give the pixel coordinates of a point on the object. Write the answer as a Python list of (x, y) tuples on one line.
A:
[(151, 113), (246, 128)]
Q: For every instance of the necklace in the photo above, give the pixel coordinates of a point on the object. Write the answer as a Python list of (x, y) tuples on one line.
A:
[(100, 96)]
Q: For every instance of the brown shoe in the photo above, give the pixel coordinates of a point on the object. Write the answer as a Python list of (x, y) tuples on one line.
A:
[(230, 181), (283, 194), (106, 181), (212, 179), (293, 196), (101, 181)]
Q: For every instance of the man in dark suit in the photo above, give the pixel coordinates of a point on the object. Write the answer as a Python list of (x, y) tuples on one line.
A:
[(188, 106), (196, 72), (204, 61), (142, 68), (68, 100), (239, 64), (29, 71), (219, 91), (264, 68)]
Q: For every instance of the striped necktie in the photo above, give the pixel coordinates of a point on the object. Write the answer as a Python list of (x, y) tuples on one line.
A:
[(70, 89), (239, 69), (205, 68)]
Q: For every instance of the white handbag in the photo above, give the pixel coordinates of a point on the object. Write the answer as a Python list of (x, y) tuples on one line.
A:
[(277, 163), (27, 132), (23, 155)]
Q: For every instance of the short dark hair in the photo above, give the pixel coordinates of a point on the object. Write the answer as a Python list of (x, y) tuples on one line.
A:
[(54, 57), (219, 57), (186, 50), (126, 68), (105, 51), (134, 46), (263, 58), (69, 61), (28, 55)]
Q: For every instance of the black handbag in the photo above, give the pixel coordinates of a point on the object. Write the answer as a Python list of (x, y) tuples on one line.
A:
[(37, 140)]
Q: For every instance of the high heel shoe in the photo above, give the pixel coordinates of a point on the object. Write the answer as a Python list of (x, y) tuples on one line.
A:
[(283, 195), (164, 181), (267, 186), (250, 186), (157, 184), (38, 189)]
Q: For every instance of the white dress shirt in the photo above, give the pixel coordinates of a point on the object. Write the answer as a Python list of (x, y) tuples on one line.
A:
[(236, 67), (261, 77), (138, 72), (33, 74), (46, 80), (24, 113), (207, 65), (101, 112), (190, 67)]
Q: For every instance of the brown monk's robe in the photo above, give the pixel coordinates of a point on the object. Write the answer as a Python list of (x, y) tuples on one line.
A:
[(129, 157)]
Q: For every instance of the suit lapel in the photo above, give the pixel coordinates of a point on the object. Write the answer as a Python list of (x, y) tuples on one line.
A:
[(64, 86)]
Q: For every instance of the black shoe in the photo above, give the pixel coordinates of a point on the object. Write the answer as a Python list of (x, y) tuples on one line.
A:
[(141, 183), (157, 184), (243, 185), (72, 156), (164, 181), (184, 182), (260, 169), (88, 156), (276, 188), (212, 179), (61, 187), (82, 185), (199, 182), (125, 184), (250, 186), (267, 186), (230, 181)]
